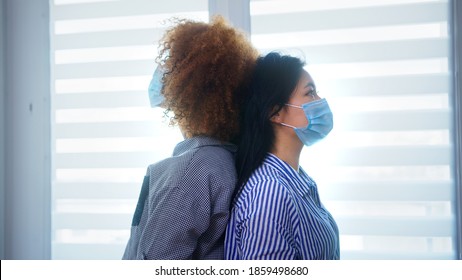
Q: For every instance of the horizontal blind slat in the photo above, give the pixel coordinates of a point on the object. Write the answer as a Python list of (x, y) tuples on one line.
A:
[(388, 85), (114, 129), (393, 255), (124, 8), (376, 51), (119, 38), (92, 190), (350, 18), (78, 251), (84, 221), (106, 69), (388, 191), (433, 226), (106, 160), (394, 120), (396, 155), (101, 100)]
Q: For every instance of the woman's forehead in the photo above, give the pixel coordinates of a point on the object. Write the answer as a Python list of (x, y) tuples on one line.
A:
[(305, 81)]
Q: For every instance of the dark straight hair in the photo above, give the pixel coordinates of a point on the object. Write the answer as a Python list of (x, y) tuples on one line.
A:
[(274, 79)]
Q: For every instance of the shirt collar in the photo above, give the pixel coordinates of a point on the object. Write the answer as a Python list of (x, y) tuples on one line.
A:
[(201, 141), (298, 182)]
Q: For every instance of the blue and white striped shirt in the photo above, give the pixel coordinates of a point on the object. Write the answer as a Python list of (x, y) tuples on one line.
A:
[(278, 215)]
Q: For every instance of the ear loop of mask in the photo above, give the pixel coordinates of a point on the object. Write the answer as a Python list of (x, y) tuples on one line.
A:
[(294, 106)]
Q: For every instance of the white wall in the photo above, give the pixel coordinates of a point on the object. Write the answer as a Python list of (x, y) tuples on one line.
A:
[(27, 130)]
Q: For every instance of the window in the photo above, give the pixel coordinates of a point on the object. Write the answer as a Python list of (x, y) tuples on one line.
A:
[(104, 132), (386, 171)]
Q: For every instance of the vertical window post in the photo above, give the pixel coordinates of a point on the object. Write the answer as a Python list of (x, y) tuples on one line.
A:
[(236, 11), (2, 133), (457, 107)]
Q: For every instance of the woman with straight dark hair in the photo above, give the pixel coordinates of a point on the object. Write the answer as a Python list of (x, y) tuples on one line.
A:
[(277, 212)]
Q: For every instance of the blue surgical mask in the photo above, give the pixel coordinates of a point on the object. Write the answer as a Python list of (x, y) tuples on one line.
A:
[(320, 121), (155, 88)]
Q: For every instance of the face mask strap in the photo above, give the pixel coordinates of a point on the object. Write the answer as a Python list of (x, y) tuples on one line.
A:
[(295, 106), (288, 125)]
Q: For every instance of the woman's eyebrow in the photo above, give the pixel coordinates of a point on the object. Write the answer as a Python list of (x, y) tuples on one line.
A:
[(310, 84)]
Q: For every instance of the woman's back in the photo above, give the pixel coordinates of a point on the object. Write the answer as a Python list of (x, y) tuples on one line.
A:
[(184, 204)]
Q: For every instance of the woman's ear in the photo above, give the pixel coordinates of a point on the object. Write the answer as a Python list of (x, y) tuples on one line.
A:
[(276, 116)]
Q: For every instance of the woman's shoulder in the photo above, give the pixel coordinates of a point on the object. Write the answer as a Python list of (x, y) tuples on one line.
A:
[(203, 169), (267, 174), (196, 160), (264, 183), (217, 151), (215, 162)]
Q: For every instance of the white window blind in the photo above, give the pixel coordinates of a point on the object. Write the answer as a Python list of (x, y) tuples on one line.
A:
[(386, 171), (104, 132)]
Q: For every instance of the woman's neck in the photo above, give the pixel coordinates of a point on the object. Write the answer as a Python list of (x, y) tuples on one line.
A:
[(288, 149)]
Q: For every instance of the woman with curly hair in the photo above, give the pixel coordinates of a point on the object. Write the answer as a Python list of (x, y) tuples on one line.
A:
[(183, 208)]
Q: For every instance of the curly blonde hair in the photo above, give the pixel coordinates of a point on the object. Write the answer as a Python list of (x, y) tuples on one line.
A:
[(205, 67)]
